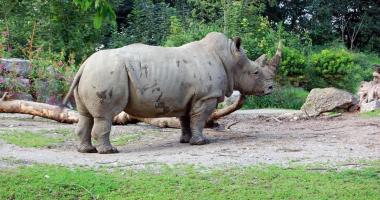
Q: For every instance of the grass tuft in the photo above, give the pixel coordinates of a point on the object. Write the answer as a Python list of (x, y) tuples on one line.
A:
[(125, 139), (375, 113), (30, 139)]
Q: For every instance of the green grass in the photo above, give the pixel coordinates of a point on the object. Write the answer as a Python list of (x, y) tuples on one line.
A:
[(67, 132), (30, 139), (125, 139), (375, 113), (186, 182), (287, 98)]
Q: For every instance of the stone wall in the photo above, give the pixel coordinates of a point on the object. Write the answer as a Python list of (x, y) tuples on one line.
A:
[(15, 78)]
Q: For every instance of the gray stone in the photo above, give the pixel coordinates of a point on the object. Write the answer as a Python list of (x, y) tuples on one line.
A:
[(18, 66), (19, 83), (370, 106), (41, 89), (18, 96), (327, 99)]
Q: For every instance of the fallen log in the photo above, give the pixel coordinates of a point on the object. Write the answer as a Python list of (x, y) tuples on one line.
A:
[(65, 115), (43, 110)]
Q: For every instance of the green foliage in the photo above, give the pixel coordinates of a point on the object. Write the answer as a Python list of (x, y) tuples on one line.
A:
[(366, 61), (375, 113), (336, 68), (186, 182), (50, 33), (30, 139), (287, 97), (148, 23), (293, 67), (33, 27), (179, 36), (104, 11), (353, 22)]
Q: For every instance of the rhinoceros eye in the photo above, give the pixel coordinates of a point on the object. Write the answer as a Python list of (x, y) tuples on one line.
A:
[(254, 73)]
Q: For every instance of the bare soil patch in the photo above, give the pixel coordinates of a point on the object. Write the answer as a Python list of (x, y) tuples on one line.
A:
[(252, 137)]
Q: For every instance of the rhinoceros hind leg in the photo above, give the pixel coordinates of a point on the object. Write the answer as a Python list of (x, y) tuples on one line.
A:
[(83, 130), (186, 130), (200, 112), (101, 132)]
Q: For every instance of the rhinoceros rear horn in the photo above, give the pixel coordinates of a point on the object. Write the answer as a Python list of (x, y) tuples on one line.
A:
[(275, 62), (262, 60)]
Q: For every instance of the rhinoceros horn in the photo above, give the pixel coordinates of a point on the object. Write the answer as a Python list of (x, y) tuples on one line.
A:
[(275, 62), (262, 60)]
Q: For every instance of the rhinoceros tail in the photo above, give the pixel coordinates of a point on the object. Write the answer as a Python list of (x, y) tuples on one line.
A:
[(73, 85)]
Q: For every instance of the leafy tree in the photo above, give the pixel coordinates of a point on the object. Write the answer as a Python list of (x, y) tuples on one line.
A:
[(39, 27), (147, 23)]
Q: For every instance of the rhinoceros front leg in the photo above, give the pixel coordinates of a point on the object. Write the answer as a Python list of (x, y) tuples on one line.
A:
[(200, 112), (185, 128), (101, 132)]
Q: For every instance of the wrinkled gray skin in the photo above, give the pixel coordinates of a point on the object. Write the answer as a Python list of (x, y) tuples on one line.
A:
[(149, 81)]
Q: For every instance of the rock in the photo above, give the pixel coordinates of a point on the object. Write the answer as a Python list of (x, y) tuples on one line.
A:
[(24, 83), (42, 90), (371, 106), (18, 66), (18, 95), (327, 99), (54, 73), (13, 84)]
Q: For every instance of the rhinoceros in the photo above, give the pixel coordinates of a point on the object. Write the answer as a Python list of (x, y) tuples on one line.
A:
[(152, 81)]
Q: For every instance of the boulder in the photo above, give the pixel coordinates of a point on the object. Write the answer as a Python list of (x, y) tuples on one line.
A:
[(18, 66), (18, 83), (370, 106), (18, 96), (42, 90), (327, 99)]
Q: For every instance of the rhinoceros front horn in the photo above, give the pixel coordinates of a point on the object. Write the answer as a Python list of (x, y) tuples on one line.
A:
[(275, 62)]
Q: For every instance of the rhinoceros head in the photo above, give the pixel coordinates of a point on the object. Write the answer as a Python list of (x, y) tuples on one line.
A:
[(255, 77)]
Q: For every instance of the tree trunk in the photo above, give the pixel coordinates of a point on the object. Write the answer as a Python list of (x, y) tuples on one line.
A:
[(65, 115)]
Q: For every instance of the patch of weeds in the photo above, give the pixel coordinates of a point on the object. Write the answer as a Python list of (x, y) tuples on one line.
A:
[(30, 139), (67, 132), (125, 139), (375, 113), (189, 182)]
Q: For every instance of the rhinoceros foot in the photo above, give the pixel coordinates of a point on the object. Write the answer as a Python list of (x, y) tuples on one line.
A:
[(107, 150), (185, 138), (87, 149), (199, 140)]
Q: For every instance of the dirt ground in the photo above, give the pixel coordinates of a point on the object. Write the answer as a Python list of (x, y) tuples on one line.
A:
[(244, 138)]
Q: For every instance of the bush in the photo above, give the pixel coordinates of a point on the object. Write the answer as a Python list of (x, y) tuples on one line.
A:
[(293, 68), (366, 61), (335, 68), (195, 31), (148, 23), (288, 98)]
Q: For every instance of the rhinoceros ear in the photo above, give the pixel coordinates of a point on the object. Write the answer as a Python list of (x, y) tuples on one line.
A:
[(237, 42), (262, 60)]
